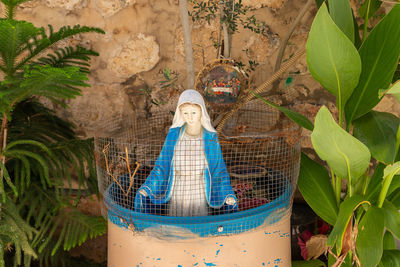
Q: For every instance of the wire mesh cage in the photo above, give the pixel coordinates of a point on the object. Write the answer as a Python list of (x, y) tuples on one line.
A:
[(157, 178)]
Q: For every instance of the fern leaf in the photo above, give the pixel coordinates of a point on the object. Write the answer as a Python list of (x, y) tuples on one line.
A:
[(7, 177), (82, 226), (14, 35), (16, 230), (28, 142), (18, 153), (53, 37), (69, 56)]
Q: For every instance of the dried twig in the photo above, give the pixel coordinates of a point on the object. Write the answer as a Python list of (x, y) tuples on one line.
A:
[(108, 169)]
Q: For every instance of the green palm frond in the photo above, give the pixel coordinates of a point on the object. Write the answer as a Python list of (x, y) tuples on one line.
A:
[(11, 5), (14, 231), (69, 56), (14, 36), (33, 121), (56, 84), (76, 228), (6, 176), (40, 149), (53, 37), (51, 215)]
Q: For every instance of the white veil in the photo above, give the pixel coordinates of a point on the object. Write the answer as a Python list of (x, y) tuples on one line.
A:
[(193, 97)]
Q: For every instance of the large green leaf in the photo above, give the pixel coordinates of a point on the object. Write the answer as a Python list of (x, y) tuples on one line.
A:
[(388, 241), (375, 184), (370, 129), (294, 116), (395, 198), (393, 90), (370, 237), (392, 218), (332, 58), (342, 15), (345, 155), (314, 185), (390, 258), (380, 54), (388, 177), (346, 210)]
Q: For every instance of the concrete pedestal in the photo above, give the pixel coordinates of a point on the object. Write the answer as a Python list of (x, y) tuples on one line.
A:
[(263, 246)]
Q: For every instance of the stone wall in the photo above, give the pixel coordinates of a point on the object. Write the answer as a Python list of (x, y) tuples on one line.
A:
[(143, 37)]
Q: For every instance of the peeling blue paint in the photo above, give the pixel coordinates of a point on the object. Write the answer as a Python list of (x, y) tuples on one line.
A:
[(218, 252), (196, 264), (244, 250), (179, 265), (209, 264), (278, 260), (221, 245), (284, 235), (263, 264), (159, 259), (193, 256)]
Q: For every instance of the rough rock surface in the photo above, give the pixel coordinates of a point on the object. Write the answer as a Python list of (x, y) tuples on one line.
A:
[(264, 3), (66, 4), (139, 54), (99, 108), (108, 8)]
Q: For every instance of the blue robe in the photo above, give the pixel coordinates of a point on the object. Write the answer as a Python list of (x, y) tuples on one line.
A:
[(158, 185)]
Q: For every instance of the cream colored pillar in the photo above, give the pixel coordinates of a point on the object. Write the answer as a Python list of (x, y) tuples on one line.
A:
[(263, 246)]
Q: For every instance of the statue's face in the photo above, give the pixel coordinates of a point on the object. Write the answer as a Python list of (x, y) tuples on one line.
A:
[(191, 114)]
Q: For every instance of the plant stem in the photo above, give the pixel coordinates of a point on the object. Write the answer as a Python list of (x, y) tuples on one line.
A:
[(289, 33), (333, 180), (227, 45), (366, 22), (338, 190), (187, 39), (386, 183)]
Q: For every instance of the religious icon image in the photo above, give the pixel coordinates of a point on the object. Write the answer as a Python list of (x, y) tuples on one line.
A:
[(221, 83)]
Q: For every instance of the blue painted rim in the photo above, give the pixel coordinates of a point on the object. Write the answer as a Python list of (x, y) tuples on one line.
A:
[(212, 225)]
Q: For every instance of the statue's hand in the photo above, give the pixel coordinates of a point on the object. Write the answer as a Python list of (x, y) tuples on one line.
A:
[(230, 201), (143, 192)]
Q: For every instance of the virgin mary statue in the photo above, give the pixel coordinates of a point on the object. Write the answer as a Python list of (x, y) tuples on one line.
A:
[(189, 177)]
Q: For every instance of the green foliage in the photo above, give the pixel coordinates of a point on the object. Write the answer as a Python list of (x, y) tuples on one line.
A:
[(346, 156), (38, 149), (14, 231), (358, 78), (390, 258), (342, 15), (332, 58), (294, 116), (315, 187), (346, 210), (370, 128), (370, 237), (311, 263), (380, 55)]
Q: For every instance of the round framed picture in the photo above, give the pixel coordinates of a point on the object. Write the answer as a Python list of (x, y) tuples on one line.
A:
[(221, 82)]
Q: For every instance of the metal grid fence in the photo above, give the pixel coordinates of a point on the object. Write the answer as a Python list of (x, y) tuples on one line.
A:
[(202, 185)]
